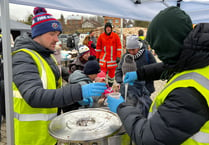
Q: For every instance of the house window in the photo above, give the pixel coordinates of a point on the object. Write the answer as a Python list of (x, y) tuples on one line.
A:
[(110, 21), (116, 21)]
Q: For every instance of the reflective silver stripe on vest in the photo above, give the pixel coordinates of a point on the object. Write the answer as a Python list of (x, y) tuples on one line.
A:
[(194, 76), (112, 65), (111, 54), (34, 117), (111, 80), (43, 72), (101, 64), (154, 109), (104, 53), (113, 61), (201, 137), (102, 60)]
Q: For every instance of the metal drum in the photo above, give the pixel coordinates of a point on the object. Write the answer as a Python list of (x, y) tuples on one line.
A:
[(91, 126)]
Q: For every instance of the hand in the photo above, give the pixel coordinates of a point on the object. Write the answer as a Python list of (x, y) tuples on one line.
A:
[(88, 101), (118, 60), (93, 89), (113, 103), (130, 77)]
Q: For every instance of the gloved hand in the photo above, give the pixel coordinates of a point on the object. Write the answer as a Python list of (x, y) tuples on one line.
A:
[(118, 60), (88, 101), (93, 89), (130, 77), (113, 103), (97, 59)]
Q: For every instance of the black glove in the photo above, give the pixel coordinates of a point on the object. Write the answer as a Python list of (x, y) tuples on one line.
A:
[(118, 60), (98, 59)]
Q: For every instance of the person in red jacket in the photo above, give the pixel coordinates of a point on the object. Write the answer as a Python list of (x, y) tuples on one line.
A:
[(88, 42), (108, 52)]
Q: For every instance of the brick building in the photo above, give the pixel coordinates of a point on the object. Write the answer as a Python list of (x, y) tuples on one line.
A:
[(74, 22), (115, 21)]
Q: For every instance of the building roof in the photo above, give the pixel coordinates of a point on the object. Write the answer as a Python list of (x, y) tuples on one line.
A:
[(94, 23), (14, 25), (74, 17)]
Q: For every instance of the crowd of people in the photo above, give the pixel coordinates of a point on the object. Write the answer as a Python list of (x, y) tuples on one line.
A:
[(178, 115)]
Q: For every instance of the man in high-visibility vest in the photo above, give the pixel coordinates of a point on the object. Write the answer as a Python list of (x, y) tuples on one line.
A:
[(179, 114), (37, 88)]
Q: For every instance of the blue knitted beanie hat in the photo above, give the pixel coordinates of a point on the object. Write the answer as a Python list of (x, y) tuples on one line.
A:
[(43, 22)]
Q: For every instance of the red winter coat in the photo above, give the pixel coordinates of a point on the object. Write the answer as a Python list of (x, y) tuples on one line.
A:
[(92, 50), (108, 49)]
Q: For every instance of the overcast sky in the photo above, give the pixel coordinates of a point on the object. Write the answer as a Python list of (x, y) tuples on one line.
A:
[(21, 12)]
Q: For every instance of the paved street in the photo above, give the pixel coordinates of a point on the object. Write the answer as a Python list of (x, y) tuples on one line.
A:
[(3, 134)]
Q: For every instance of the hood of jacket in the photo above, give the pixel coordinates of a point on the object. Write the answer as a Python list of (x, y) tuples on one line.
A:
[(195, 52), (108, 24), (167, 32), (79, 77), (24, 41)]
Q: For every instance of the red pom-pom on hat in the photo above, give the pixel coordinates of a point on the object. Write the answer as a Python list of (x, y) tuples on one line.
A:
[(39, 10)]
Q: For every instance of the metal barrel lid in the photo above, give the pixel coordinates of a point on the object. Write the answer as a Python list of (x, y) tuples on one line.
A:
[(84, 125)]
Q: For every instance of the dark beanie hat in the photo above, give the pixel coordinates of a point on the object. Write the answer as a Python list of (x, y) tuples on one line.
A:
[(91, 66), (43, 22), (129, 64), (167, 32)]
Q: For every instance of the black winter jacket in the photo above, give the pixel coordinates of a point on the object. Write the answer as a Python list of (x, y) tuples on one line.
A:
[(27, 79), (184, 110), (138, 96), (151, 72), (145, 59)]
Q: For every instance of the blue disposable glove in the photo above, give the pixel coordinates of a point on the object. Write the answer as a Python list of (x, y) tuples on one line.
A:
[(113, 103), (93, 89), (130, 77), (88, 101)]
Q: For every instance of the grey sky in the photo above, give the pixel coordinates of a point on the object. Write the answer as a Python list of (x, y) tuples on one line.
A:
[(21, 12)]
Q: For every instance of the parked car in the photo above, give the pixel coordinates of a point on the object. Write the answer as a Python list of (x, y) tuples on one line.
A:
[(63, 37)]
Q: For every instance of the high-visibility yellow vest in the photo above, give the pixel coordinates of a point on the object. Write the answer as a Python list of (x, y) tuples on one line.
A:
[(31, 124), (141, 38), (199, 79)]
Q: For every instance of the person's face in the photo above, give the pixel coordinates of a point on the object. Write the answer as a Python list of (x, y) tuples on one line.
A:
[(86, 56), (48, 40), (133, 51), (92, 77), (108, 29)]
